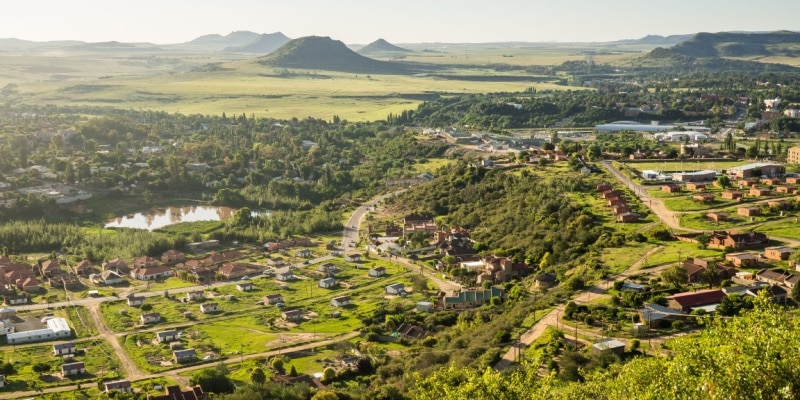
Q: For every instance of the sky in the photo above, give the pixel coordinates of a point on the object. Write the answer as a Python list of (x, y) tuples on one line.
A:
[(405, 21)]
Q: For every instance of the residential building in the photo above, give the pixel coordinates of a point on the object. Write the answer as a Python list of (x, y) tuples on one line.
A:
[(545, 280), (377, 272), (757, 170), (16, 299), (472, 297), (84, 267), (234, 270), (327, 283), (117, 265), (284, 274), (273, 299), (134, 300), (689, 300), (172, 257), (698, 176), (292, 315), (737, 241), (61, 349), (671, 188), (352, 257), (195, 295), (396, 289), (120, 386), (741, 259), (657, 316), (695, 186), (110, 277), (628, 217), (150, 318), (750, 211), (717, 216), (732, 195), (304, 253), (167, 336), (245, 286), (151, 273), (759, 192), (340, 301), (207, 308), (778, 252), (609, 344), (176, 393), (72, 369), (181, 356)]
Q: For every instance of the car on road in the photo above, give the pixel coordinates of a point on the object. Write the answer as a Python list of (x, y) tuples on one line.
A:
[(246, 277)]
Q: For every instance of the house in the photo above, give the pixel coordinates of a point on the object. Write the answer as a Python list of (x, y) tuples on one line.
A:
[(545, 280), (772, 277), (207, 308), (110, 277), (176, 393), (66, 281), (16, 299), (779, 204), (472, 297), (340, 301), (377, 272), (772, 181), (695, 186), (657, 316), (284, 274), (50, 268), (759, 192), (245, 286), (732, 195), (6, 327), (134, 300), (6, 312), (327, 268), (327, 283), (737, 241), (411, 332), (425, 306), (396, 289), (688, 300), (778, 253), (628, 217), (181, 356), (703, 197), (167, 336), (292, 315), (603, 187), (672, 188), (72, 369), (743, 183), (273, 299), (352, 257), (610, 194), (276, 262), (619, 209), (717, 216), (60, 349), (794, 180), (151, 273), (117, 265), (84, 267), (29, 285), (233, 270), (786, 189), (120, 386), (145, 262), (172, 257), (305, 253), (609, 344), (741, 259), (748, 211), (150, 318), (196, 295), (2, 381)]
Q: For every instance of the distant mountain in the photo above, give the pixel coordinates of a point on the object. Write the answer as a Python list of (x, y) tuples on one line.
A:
[(216, 42), (382, 46), (265, 43), (656, 40), (324, 53), (739, 45)]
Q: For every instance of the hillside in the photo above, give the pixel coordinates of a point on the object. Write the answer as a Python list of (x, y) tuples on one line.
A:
[(382, 46), (216, 42), (324, 53), (656, 40), (740, 45), (266, 43)]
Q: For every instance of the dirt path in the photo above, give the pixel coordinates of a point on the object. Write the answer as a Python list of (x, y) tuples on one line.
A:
[(598, 290), (131, 372)]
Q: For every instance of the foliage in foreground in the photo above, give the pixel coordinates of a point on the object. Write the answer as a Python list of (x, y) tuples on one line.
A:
[(748, 357)]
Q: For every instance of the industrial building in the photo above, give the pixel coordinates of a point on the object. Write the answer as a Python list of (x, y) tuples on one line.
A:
[(57, 328)]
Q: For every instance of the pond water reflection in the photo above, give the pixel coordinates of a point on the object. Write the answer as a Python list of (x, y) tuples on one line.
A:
[(159, 218)]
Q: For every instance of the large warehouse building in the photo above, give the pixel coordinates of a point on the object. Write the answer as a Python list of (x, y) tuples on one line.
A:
[(57, 328)]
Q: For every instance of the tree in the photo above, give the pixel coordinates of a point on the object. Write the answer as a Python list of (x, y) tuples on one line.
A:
[(277, 365), (325, 395), (41, 368), (328, 375), (675, 276), (293, 371), (724, 181), (214, 379), (257, 376)]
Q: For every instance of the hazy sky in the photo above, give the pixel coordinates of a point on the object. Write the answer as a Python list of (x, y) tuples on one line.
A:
[(404, 21)]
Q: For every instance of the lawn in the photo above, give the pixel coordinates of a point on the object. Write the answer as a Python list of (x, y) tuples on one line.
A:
[(98, 357), (787, 228), (675, 251), (620, 258)]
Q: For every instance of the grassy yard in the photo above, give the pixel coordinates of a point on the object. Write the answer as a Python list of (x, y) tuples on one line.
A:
[(787, 228), (621, 258), (98, 357), (674, 251)]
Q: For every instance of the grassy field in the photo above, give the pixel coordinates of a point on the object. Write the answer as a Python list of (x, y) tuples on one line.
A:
[(672, 252), (786, 228), (624, 257), (685, 166)]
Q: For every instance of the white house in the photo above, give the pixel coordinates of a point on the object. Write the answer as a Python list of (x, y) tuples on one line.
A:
[(166, 336), (110, 277), (206, 308), (196, 295), (376, 272), (305, 253), (245, 286), (396, 288), (284, 274), (340, 301), (61, 349), (273, 298), (121, 386), (150, 318), (327, 283), (134, 301), (352, 257), (71, 369)]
